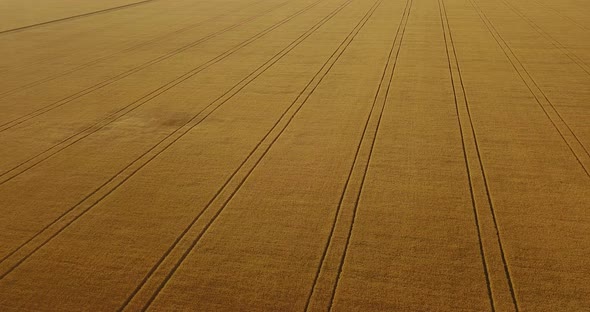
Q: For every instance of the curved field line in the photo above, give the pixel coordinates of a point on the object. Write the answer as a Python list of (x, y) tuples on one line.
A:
[(76, 16), (166, 146), (493, 31), (364, 176), (15, 122), (381, 86), (78, 136), (482, 168), (116, 53), (467, 169), (334, 58)]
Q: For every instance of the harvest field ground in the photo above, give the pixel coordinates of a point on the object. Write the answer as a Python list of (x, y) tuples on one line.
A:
[(295, 155)]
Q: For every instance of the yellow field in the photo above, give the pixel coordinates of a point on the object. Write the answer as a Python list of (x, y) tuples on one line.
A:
[(295, 155)]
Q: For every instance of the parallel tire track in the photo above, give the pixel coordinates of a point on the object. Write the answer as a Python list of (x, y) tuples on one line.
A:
[(15, 122), (121, 7), (124, 174), (532, 86), (478, 163), (563, 15), (571, 55), (232, 177), (33, 63), (114, 54), (369, 133), (302, 98), (366, 167), (73, 139), (467, 169)]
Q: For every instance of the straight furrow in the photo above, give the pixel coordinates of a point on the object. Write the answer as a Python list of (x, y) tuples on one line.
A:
[(83, 32), (295, 155), (130, 5), (326, 279), (500, 285), (17, 121), (563, 15), (114, 54), (25, 250), (73, 139), (578, 150), (572, 56), (147, 286), (203, 221)]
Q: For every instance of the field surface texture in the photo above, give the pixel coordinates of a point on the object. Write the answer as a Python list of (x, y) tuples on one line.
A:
[(295, 155)]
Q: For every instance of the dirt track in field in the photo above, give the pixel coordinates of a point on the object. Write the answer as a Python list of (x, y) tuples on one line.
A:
[(295, 155)]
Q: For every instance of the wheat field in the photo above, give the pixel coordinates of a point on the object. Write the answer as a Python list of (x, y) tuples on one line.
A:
[(295, 155)]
